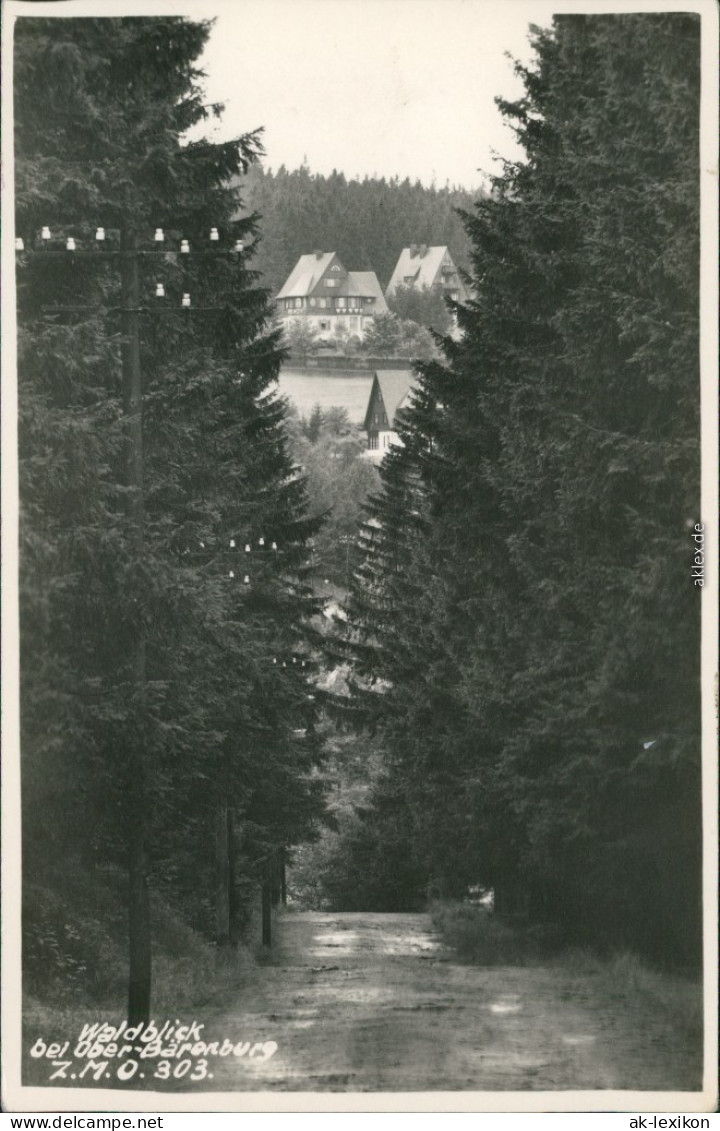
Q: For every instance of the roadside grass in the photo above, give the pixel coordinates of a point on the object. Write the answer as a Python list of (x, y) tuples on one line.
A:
[(621, 979), (181, 985), (75, 966), (485, 939), (624, 977)]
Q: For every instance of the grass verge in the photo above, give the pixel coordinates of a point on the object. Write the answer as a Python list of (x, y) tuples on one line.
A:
[(75, 965), (485, 939), (482, 938)]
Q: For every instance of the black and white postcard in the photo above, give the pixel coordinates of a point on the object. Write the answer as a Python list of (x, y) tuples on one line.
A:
[(359, 556)]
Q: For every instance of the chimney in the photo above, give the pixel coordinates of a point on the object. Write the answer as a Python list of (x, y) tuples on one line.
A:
[(413, 250), (318, 254), (423, 249)]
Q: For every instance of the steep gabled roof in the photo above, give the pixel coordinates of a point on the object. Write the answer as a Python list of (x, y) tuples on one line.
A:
[(305, 275), (422, 268), (367, 285), (394, 385), (309, 270)]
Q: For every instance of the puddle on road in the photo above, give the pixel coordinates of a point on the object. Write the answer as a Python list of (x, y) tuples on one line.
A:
[(506, 1005), (342, 938), (342, 943), (407, 944), (343, 994), (355, 942)]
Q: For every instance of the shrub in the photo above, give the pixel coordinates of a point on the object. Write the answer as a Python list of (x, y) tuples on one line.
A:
[(480, 936)]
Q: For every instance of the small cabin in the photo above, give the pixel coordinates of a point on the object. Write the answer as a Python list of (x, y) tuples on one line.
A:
[(389, 394)]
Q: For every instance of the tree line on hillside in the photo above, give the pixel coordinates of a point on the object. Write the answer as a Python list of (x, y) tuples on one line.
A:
[(167, 724), (367, 222), (524, 626)]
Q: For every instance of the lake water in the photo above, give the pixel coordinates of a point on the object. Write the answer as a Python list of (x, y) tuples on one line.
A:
[(350, 391)]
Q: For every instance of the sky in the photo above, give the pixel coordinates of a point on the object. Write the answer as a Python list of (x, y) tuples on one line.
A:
[(386, 87)]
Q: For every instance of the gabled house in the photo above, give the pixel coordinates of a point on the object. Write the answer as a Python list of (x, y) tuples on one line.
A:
[(433, 267), (390, 393), (328, 298)]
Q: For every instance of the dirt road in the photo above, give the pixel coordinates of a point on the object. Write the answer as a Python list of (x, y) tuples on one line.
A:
[(373, 1002)]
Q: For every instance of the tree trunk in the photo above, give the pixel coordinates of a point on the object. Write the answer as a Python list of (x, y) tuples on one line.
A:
[(140, 980), (266, 906), (234, 905), (283, 879), (222, 875), (275, 879)]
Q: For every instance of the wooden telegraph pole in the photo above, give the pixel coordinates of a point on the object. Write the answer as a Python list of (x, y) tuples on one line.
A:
[(138, 896), (136, 757)]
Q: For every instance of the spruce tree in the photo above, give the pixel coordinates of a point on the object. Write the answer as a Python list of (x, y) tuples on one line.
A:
[(540, 642), (162, 691)]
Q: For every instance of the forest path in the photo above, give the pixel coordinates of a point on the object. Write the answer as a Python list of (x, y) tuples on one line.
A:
[(375, 1002)]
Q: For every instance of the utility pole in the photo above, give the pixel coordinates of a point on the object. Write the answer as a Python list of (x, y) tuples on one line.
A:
[(136, 756), (138, 896)]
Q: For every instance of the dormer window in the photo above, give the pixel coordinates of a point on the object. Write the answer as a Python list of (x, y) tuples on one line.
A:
[(332, 282)]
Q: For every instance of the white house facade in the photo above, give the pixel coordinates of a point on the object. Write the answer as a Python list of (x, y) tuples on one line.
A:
[(328, 298), (420, 266)]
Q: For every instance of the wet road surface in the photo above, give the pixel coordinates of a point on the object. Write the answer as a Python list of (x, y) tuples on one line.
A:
[(374, 1002)]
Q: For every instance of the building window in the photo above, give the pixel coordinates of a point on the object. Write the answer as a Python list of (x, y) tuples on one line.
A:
[(335, 267), (341, 304), (373, 441), (323, 324), (298, 304), (312, 301), (332, 282)]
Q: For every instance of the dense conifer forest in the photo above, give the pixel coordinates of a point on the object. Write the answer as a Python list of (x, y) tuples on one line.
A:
[(516, 690), (367, 222), (168, 741), (524, 619)]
